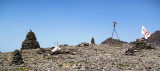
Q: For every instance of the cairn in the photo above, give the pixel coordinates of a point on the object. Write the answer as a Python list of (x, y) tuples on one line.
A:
[(138, 45), (141, 44), (92, 41), (17, 58), (30, 42)]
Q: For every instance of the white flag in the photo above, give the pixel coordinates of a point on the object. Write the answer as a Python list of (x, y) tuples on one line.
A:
[(145, 32), (56, 47)]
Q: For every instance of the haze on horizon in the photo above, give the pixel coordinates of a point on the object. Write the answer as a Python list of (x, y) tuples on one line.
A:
[(74, 21)]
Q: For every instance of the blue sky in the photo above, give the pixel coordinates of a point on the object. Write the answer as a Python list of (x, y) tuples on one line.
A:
[(74, 21)]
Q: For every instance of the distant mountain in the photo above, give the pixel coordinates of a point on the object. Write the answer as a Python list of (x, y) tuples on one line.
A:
[(154, 38)]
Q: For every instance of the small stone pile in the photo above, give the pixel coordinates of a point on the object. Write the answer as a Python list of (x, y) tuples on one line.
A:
[(17, 58), (141, 44), (83, 44), (30, 42), (92, 41), (138, 45)]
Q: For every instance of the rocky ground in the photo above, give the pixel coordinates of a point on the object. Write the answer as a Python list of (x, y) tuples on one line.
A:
[(90, 58)]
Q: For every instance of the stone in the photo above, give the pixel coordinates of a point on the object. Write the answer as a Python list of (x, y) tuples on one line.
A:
[(114, 42), (154, 38), (83, 44), (92, 41), (41, 51), (17, 58), (97, 58), (137, 46), (30, 42), (64, 45), (141, 44)]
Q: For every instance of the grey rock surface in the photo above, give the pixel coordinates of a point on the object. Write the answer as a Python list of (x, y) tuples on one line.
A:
[(91, 58)]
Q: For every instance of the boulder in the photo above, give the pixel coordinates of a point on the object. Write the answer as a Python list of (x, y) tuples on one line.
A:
[(83, 44)]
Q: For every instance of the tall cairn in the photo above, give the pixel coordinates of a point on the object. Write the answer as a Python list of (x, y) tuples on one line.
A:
[(92, 41), (30, 42)]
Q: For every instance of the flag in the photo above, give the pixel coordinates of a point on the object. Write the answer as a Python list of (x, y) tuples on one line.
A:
[(115, 22), (145, 32), (56, 49)]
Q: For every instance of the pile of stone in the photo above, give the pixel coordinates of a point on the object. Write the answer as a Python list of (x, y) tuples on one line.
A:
[(17, 58), (141, 44), (30, 42), (83, 44), (92, 41), (115, 42), (137, 46)]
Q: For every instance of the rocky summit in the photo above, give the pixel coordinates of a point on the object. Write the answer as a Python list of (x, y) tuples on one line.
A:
[(101, 57), (30, 42), (114, 42)]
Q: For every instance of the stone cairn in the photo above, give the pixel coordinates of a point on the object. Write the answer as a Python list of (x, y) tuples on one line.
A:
[(30, 42), (137, 46), (92, 41), (17, 58)]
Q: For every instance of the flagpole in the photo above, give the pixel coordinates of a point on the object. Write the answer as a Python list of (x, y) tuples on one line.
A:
[(141, 33)]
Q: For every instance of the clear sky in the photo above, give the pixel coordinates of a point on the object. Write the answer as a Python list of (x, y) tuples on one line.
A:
[(74, 21)]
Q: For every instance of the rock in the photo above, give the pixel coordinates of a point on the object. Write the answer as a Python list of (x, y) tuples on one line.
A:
[(41, 51), (17, 58), (92, 41), (141, 44), (114, 42), (64, 45), (83, 44), (129, 52), (30, 42), (96, 58), (154, 38), (138, 45)]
